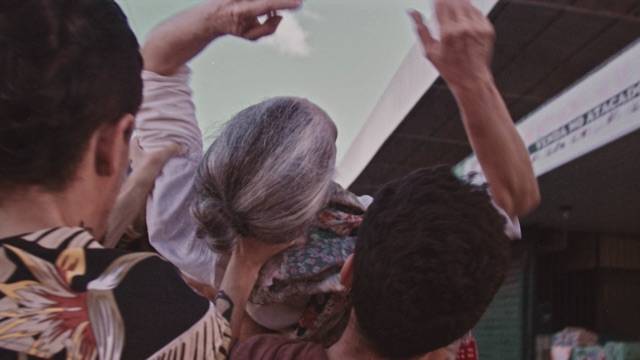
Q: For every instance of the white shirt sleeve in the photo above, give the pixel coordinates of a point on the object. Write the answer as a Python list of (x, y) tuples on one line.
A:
[(168, 114), (512, 226)]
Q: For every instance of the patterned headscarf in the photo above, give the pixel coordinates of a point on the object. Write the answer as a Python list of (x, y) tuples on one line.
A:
[(298, 292)]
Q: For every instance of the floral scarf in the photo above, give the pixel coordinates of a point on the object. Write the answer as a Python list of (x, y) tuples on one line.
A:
[(310, 274)]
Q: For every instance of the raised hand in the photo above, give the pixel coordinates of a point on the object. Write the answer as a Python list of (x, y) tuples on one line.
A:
[(133, 195), (256, 253), (240, 17), (465, 49), (147, 166), (182, 37), (462, 56), (242, 273)]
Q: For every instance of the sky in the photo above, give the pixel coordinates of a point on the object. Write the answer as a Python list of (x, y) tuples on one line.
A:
[(339, 54)]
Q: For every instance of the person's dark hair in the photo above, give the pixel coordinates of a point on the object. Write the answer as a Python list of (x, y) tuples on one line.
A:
[(67, 67), (431, 254), (267, 174)]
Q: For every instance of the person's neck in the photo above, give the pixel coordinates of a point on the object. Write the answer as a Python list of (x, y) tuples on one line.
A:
[(351, 344), (33, 208)]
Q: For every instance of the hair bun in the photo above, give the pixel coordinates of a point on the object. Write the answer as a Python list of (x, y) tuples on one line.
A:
[(268, 173), (214, 224)]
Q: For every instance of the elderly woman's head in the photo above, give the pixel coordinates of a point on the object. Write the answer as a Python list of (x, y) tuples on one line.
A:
[(267, 175)]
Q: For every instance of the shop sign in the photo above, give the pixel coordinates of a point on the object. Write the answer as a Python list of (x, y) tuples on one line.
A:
[(600, 108)]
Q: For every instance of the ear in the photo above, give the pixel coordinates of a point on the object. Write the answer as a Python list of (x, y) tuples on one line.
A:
[(346, 273), (112, 141)]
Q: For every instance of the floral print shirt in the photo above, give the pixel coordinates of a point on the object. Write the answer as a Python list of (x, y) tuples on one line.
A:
[(64, 296)]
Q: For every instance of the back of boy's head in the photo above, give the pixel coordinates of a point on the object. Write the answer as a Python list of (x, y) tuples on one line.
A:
[(431, 254), (67, 68)]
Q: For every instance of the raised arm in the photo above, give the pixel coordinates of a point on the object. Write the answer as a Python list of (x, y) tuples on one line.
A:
[(168, 114), (136, 188), (463, 56), (178, 40)]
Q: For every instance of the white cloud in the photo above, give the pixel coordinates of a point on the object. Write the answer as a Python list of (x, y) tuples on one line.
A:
[(310, 14), (290, 38)]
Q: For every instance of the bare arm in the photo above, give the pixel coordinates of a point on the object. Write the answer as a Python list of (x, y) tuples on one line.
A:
[(133, 195), (167, 49), (176, 41), (242, 273), (462, 56), (168, 114)]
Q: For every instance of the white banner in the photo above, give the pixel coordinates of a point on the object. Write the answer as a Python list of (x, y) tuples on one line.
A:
[(595, 111)]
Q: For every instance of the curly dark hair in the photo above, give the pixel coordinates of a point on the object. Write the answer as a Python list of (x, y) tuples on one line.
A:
[(431, 254), (67, 67)]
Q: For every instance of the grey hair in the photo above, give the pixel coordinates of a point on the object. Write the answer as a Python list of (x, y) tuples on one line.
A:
[(267, 174)]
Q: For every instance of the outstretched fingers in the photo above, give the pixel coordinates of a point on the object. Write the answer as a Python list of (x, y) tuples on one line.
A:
[(267, 28), (423, 31), (265, 7), (246, 13), (170, 150)]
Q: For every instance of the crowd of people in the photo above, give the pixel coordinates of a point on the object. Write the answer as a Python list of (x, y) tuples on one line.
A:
[(259, 254)]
